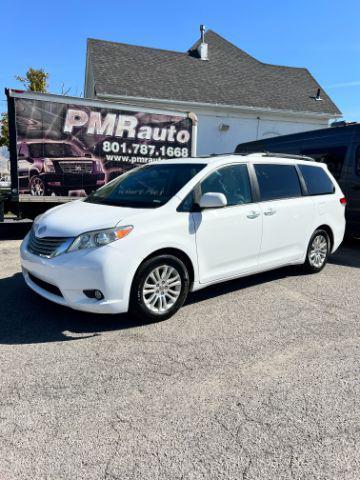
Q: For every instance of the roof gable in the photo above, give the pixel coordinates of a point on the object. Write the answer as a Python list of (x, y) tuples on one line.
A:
[(229, 77)]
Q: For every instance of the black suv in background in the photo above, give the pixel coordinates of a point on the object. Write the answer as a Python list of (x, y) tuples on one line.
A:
[(338, 147), (55, 167)]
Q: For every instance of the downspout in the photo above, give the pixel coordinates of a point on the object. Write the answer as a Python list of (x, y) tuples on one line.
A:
[(194, 132)]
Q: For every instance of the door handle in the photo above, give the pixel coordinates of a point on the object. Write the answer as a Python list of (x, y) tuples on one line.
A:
[(253, 214), (270, 211)]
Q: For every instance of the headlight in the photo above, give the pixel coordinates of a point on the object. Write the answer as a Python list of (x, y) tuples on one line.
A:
[(49, 166), (99, 238)]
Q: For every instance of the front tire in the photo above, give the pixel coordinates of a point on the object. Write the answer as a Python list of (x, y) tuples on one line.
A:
[(159, 289), (318, 251), (37, 186)]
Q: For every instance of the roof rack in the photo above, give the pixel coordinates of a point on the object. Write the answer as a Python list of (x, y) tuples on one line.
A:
[(287, 155), (264, 153), (226, 154)]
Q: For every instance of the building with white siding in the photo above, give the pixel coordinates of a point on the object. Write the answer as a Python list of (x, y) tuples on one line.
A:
[(236, 97)]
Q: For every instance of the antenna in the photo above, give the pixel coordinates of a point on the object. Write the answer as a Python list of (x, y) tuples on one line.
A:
[(202, 31)]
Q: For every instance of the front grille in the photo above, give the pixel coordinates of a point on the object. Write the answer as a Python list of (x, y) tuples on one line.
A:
[(46, 246), (76, 167), (45, 285)]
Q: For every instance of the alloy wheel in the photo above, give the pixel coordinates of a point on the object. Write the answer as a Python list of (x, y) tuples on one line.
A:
[(161, 289), (318, 251), (37, 187)]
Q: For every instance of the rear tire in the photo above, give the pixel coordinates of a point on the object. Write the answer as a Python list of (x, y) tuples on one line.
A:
[(159, 289), (318, 251)]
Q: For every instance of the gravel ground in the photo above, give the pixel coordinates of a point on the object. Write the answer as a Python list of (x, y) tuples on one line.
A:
[(255, 379)]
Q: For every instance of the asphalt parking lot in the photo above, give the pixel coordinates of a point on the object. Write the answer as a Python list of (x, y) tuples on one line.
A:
[(255, 379)]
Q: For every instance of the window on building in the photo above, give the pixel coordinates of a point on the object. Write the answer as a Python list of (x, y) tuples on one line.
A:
[(334, 157), (317, 180), (278, 181), (233, 181)]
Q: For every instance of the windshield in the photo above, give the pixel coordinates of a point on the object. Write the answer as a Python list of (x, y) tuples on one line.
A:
[(146, 187), (53, 150)]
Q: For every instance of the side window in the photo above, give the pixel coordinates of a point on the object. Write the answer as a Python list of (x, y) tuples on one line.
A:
[(233, 181), (334, 157), (317, 180), (187, 204), (277, 181)]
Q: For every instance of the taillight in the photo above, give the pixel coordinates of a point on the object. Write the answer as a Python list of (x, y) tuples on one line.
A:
[(343, 201)]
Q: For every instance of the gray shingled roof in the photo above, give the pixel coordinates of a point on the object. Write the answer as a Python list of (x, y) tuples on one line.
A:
[(230, 77)]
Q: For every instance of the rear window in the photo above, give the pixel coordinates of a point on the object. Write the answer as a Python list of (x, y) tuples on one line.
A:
[(317, 180), (334, 157), (277, 181)]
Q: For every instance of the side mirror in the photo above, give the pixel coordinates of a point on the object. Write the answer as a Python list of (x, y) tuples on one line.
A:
[(213, 200)]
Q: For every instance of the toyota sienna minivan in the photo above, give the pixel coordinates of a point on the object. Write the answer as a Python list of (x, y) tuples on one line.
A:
[(147, 238)]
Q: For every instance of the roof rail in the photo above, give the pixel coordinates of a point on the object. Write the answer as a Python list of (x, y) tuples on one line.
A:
[(263, 153), (288, 155), (226, 154)]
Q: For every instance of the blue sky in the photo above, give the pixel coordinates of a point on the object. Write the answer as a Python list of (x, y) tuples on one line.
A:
[(323, 36)]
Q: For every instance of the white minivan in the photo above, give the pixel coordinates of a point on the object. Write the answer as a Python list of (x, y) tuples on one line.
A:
[(142, 241)]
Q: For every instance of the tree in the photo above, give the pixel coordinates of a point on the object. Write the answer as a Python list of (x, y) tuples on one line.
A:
[(35, 80), (4, 130)]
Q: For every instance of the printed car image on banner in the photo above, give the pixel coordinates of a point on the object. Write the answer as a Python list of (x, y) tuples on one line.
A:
[(74, 149)]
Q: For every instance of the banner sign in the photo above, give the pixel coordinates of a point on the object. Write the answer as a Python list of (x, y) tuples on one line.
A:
[(64, 148)]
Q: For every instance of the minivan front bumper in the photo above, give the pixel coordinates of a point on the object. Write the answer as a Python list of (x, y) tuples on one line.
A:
[(63, 279)]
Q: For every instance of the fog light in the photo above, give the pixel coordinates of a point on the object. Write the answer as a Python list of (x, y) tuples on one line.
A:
[(97, 294)]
